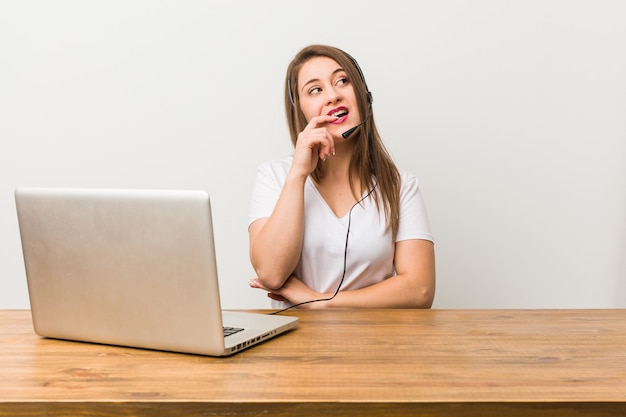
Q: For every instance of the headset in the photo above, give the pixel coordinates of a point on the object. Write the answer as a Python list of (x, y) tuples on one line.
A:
[(345, 135)]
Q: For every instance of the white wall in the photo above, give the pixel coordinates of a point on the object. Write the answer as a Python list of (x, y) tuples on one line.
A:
[(511, 113)]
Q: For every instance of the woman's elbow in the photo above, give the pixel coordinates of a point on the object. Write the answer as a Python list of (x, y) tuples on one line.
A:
[(425, 295), (269, 276), (271, 280), (425, 298)]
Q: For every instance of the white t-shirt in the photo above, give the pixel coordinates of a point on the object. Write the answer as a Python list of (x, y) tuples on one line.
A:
[(369, 257)]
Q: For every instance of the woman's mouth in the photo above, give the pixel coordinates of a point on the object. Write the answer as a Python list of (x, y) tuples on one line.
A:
[(340, 114)]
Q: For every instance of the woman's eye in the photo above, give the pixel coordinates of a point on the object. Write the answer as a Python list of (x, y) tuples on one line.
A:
[(314, 90), (343, 80)]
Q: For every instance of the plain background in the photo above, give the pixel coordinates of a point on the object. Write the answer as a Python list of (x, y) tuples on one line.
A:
[(511, 113)]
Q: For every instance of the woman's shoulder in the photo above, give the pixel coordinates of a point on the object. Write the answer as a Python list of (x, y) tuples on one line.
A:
[(407, 178)]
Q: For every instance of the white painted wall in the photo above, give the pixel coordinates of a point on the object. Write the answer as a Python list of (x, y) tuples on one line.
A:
[(511, 113)]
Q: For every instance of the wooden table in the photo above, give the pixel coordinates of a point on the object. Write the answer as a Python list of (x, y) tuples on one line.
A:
[(338, 362)]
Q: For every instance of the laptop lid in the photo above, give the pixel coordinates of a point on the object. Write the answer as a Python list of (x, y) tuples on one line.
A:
[(130, 267)]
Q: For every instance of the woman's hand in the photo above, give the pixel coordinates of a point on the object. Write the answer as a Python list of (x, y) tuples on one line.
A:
[(313, 143), (293, 291)]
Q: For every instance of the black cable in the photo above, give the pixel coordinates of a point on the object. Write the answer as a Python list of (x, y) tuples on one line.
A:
[(345, 259)]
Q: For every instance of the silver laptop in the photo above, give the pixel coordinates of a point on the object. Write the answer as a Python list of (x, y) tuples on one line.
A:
[(131, 268)]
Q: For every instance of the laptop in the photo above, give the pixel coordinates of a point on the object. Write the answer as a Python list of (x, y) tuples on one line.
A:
[(131, 268)]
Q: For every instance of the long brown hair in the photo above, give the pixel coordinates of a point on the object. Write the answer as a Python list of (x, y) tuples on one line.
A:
[(370, 160)]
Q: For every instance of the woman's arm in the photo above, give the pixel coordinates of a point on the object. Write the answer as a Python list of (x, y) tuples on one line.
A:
[(412, 287), (276, 242)]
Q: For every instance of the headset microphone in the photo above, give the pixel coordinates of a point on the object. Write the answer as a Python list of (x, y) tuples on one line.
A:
[(348, 132)]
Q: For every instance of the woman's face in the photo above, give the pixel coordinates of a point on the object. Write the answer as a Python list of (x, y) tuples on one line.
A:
[(324, 89)]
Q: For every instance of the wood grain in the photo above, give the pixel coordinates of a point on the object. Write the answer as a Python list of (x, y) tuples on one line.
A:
[(338, 363)]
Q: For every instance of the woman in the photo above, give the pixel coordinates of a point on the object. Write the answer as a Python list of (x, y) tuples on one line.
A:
[(338, 225)]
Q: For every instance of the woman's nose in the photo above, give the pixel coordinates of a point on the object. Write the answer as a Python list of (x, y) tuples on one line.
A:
[(333, 95)]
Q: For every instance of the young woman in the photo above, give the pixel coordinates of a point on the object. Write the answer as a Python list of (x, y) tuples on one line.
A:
[(337, 225)]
